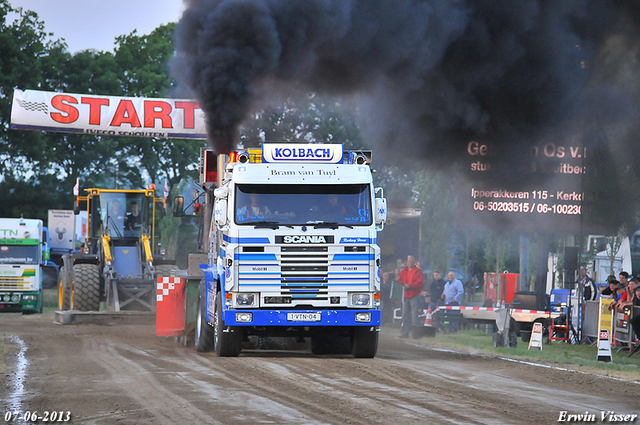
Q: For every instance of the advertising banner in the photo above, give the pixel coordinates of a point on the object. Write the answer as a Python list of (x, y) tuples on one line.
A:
[(107, 115), (606, 317), (62, 225)]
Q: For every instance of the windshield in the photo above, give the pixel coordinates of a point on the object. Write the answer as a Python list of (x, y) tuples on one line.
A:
[(120, 214), (348, 205), (19, 254)]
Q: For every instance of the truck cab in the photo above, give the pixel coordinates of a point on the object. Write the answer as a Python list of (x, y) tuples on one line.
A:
[(21, 259), (294, 250)]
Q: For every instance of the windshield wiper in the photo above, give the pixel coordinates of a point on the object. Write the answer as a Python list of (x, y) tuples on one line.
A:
[(266, 225), (326, 224)]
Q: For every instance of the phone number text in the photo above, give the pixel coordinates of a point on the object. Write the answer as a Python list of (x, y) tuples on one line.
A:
[(528, 207)]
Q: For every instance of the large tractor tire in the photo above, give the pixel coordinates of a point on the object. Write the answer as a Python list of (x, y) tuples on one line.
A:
[(64, 291), (364, 342), (166, 270), (204, 330), (86, 287), (227, 342)]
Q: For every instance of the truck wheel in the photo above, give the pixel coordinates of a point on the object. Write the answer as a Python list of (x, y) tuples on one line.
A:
[(204, 331), (49, 277), (364, 342), (513, 339), (226, 344), (86, 295), (64, 291)]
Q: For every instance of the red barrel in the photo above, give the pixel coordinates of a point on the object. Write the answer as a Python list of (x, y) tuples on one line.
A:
[(170, 306)]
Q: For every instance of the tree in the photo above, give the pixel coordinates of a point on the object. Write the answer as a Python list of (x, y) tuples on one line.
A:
[(29, 59), (304, 117), (613, 246)]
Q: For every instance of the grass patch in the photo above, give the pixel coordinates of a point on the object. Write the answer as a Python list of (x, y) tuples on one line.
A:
[(574, 356)]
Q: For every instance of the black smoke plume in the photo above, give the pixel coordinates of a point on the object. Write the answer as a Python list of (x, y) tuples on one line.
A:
[(435, 74)]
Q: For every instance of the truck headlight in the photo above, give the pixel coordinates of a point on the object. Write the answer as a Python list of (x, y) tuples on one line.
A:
[(6, 298), (29, 297), (246, 299), (244, 317), (360, 299), (363, 317), (15, 298)]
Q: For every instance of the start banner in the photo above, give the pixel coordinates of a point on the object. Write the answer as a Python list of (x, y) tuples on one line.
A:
[(107, 115)]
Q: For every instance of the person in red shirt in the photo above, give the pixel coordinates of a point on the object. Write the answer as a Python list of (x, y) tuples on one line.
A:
[(411, 278), (626, 299)]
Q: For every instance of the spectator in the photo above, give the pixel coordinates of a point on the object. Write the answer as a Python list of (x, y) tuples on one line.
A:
[(588, 286), (435, 289), (624, 278), (626, 299), (609, 290), (635, 320), (411, 278), (385, 297), (451, 294), (620, 289)]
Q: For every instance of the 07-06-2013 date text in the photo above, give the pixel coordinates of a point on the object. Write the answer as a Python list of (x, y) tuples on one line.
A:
[(46, 416)]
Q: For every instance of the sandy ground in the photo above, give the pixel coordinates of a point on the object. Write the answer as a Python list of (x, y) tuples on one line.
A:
[(124, 374)]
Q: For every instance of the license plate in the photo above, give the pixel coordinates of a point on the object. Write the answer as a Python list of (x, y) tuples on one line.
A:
[(304, 317)]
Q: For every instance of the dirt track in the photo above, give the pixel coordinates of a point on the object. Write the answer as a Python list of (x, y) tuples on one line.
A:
[(125, 374)]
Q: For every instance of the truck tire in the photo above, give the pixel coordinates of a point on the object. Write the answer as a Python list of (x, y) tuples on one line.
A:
[(49, 277), (364, 342), (226, 344), (86, 294), (204, 331), (64, 291)]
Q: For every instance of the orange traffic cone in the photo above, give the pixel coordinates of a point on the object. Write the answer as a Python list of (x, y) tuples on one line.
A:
[(427, 320)]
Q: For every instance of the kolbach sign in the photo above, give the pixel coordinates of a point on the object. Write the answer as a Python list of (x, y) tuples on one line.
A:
[(315, 153), (107, 115)]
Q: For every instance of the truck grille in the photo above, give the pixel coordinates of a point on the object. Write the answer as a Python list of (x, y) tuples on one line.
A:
[(12, 283), (290, 274)]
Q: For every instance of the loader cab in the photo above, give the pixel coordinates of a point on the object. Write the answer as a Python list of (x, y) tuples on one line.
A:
[(120, 215)]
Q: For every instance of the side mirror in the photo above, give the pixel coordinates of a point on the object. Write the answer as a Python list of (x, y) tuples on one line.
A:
[(220, 212), (178, 206), (221, 192), (381, 211)]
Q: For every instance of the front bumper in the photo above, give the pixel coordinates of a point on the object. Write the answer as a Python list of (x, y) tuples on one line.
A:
[(345, 317), (28, 301)]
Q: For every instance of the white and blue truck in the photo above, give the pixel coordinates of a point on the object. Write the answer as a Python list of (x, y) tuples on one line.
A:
[(21, 260), (292, 250)]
